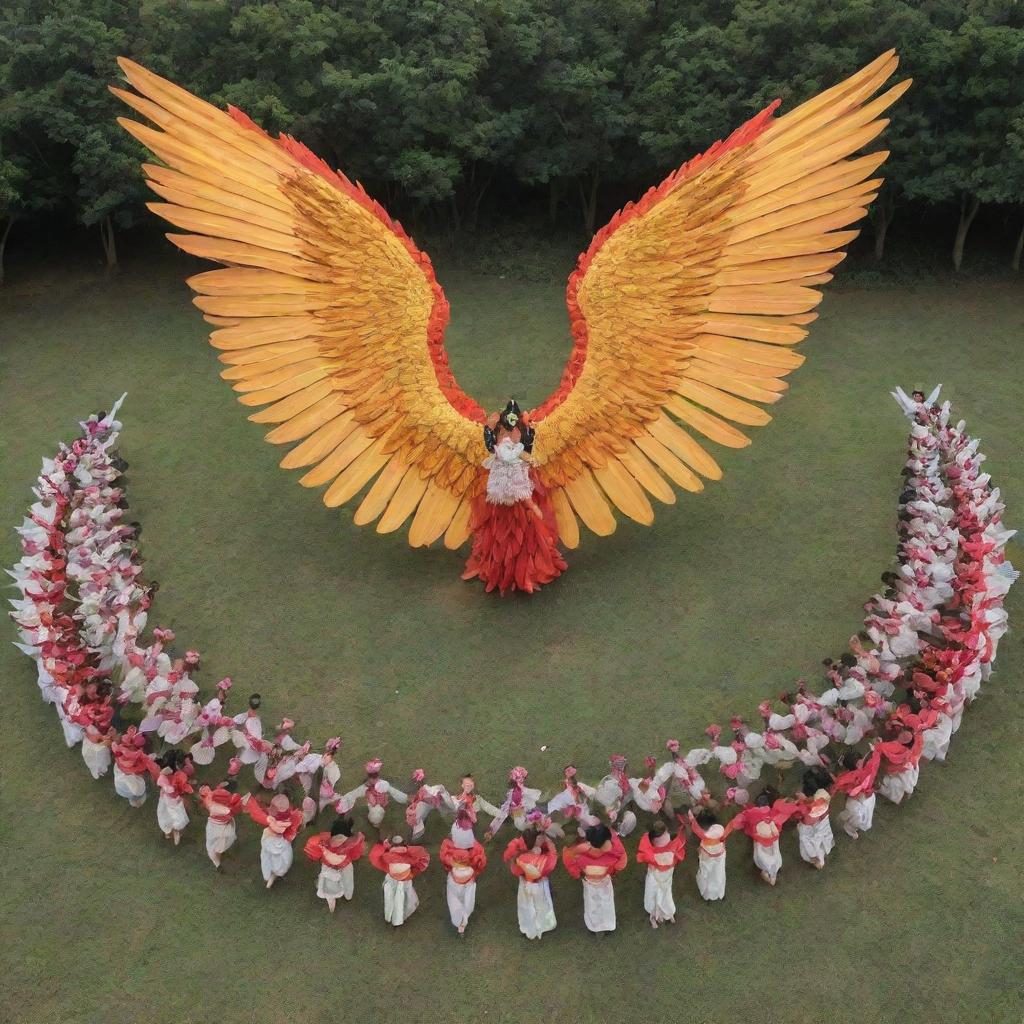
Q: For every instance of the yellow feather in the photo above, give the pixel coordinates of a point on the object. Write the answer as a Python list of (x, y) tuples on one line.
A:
[(680, 443), (589, 504), (354, 445), (710, 426), (381, 492), (680, 474), (304, 423), (618, 483), (405, 500), (357, 475), (645, 472), (293, 404), (458, 530), (433, 516), (321, 442)]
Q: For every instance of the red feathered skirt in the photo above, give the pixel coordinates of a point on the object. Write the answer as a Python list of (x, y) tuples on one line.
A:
[(513, 547)]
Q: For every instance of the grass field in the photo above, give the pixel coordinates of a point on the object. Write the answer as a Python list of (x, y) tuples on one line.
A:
[(653, 633)]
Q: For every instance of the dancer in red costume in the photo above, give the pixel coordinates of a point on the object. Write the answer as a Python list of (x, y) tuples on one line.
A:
[(515, 537)]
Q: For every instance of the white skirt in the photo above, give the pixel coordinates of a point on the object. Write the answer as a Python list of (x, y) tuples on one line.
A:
[(171, 815), (220, 836), (768, 859), (936, 740), (658, 901), (335, 882), (896, 786), (97, 757), (858, 814), (375, 814), (72, 733), (599, 905), (536, 911), (711, 876), (400, 901), (131, 787), (275, 856), (816, 840), (461, 901)]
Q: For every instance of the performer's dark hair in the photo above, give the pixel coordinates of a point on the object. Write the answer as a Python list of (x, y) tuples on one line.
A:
[(707, 818), (849, 660), (342, 826), (766, 797), (530, 837), (598, 835), (255, 700), (658, 828), (813, 780), (230, 785), (850, 760)]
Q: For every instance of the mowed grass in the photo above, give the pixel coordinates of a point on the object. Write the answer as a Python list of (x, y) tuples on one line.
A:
[(653, 633)]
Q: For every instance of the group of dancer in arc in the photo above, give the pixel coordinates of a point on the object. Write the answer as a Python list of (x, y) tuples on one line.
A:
[(893, 700)]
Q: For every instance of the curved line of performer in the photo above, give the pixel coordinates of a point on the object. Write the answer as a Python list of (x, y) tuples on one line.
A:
[(895, 698)]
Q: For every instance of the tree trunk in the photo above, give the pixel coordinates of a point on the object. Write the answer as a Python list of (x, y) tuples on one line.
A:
[(882, 214), (1018, 251), (968, 211), (554, 197), (11, 218), (477, 199), (589, 201), (109, 245)]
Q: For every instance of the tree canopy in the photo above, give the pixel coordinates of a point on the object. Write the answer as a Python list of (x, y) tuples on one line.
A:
[(582, 102)]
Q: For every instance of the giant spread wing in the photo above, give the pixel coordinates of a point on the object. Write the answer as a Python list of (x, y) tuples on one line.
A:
[(686, 307), (328, 316)]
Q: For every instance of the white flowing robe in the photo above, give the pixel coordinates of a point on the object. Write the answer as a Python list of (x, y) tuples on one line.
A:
[(535, 909), (400, 900), (275, 855)]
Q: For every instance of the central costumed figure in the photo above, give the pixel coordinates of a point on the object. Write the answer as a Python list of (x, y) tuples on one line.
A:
[(684, 312), (515, 535)]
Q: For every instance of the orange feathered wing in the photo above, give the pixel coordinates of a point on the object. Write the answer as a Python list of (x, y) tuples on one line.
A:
[(686, 306), (328, 315), (684, 309)]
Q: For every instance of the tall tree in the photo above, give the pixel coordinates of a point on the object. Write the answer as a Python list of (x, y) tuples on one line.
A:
[(59, 59)]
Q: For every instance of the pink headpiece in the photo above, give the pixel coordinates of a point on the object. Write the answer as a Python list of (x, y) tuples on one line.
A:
[(418, 775), (650, 762), (518, 775), (191, 657), (373, 766), (672, 746), (714, 731), (618, 762), (333, 744), (225, 684), (570, 771), (164, 636), (234, 766), (765, 709)]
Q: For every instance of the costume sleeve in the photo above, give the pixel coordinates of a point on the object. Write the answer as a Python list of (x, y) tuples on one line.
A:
[(622, 858), (358, 848), (514, 848), (256, 811), (570, 862), (697, 830), (314, 846), (377, 853), (487, 807), (397, 794), (419, 859), (444, 855), (644, 852)]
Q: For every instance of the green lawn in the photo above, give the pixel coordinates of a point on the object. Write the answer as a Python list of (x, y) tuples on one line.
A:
[(652, 633)]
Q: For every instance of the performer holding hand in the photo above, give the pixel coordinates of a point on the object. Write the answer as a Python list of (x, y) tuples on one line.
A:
[(281, 824), (661, 852), (401, 863), (532, 857), (463, 860), (336, 852), (597, 858)]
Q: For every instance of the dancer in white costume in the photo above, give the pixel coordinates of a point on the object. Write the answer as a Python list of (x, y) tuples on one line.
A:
[(857, 781), (401, 864), (377, 792), (661, 852), (711, 857), (336, 851), (281, 823), (222, 804), (532, 857), (463, 860), (596, 859)]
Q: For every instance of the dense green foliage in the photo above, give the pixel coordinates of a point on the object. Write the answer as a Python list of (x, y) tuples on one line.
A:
[(443, 109)]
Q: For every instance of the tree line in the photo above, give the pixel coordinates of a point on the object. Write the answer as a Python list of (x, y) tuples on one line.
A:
[(441, 107)]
